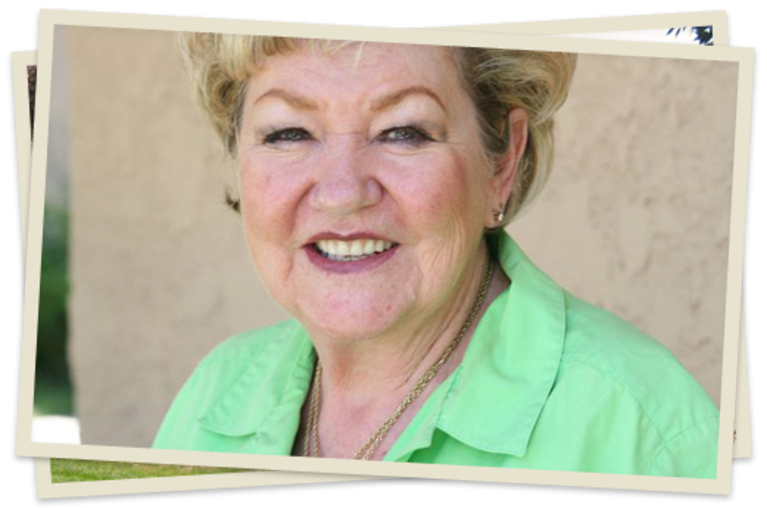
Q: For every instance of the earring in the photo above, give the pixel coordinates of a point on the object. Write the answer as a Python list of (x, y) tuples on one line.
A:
[(498, 216)]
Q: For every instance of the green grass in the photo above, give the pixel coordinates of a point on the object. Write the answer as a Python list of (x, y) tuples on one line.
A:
[(75, 470)]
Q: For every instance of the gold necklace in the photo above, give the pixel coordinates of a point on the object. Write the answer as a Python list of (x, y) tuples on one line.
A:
[(312, 435)]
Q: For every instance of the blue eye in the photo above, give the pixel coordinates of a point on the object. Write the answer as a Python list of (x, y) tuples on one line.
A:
[(290, 135), (409, 134)]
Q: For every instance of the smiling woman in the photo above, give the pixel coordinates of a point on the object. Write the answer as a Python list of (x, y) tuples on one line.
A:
[(374, 182)]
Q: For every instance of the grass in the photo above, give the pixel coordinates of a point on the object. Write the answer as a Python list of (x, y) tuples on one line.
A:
[(76, 470)]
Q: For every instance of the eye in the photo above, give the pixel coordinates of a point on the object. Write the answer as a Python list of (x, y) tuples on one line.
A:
[(289, 135), (408, 134)]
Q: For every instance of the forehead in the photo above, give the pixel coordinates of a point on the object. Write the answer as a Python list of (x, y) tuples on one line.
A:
[(360, 67)]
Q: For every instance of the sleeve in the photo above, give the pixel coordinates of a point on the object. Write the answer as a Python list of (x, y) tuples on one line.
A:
[(691, 454)]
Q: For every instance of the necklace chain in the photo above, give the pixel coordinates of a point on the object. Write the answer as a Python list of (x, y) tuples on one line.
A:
[(312, 436)]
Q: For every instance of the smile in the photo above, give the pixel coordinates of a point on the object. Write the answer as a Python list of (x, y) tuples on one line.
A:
[(355, 250), (355, 253)]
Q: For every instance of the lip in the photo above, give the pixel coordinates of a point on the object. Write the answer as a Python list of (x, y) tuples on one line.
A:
[(329, 235), (348, 267)]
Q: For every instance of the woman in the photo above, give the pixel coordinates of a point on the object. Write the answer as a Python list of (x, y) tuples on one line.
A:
[(374, 184)]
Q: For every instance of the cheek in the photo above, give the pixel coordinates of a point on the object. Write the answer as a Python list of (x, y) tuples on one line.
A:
[(268, 201), (269, 194), (441, 199), (440, 193)]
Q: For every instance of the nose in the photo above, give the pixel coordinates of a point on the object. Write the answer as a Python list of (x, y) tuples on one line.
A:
[(344, 181)]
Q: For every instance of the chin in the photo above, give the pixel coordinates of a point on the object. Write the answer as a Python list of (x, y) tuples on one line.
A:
[(348, 325)]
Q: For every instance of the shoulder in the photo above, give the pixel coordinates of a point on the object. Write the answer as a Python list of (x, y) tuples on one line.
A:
[(624, 355), (252, 351), (598, 337), (245, 356), (244, 348), (622, 373)]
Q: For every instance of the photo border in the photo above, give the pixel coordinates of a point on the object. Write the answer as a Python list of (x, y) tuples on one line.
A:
[(732, 319)]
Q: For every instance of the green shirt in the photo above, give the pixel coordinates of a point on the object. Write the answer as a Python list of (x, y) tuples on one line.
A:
[(547, 382)]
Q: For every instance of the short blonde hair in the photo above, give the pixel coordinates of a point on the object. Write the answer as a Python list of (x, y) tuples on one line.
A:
[(497, 80)]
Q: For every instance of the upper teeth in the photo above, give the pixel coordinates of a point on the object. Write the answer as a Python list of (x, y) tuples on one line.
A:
[(353, 248)]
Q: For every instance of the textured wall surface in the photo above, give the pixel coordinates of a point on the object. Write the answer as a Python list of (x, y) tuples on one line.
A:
[(634, 219)]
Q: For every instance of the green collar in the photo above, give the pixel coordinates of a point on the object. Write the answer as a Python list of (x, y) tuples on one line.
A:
[(506, 375)]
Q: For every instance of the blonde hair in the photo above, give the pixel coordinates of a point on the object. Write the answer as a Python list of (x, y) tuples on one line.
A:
[(497, 80)]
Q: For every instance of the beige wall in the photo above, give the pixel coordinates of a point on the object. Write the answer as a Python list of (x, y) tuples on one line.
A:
[(635, 219)]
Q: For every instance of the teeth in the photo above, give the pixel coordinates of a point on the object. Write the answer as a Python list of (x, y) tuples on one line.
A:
[(355, 250)]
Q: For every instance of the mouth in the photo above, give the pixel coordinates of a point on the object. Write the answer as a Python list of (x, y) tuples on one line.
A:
[(356, 253), (347, 251)]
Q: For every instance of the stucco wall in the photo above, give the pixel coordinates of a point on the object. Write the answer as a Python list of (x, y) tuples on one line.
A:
[(635, 219)]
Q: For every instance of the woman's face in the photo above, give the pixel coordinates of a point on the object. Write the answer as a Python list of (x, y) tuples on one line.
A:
[(363, 188)]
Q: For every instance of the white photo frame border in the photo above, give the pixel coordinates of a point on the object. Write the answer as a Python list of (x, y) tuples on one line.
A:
[(31, 218)]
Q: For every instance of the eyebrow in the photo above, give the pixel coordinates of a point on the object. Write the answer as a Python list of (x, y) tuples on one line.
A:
[(301, 102), (394, 98), (294, 100)]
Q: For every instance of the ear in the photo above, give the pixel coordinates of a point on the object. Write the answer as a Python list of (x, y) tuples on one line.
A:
[(506, 168)]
